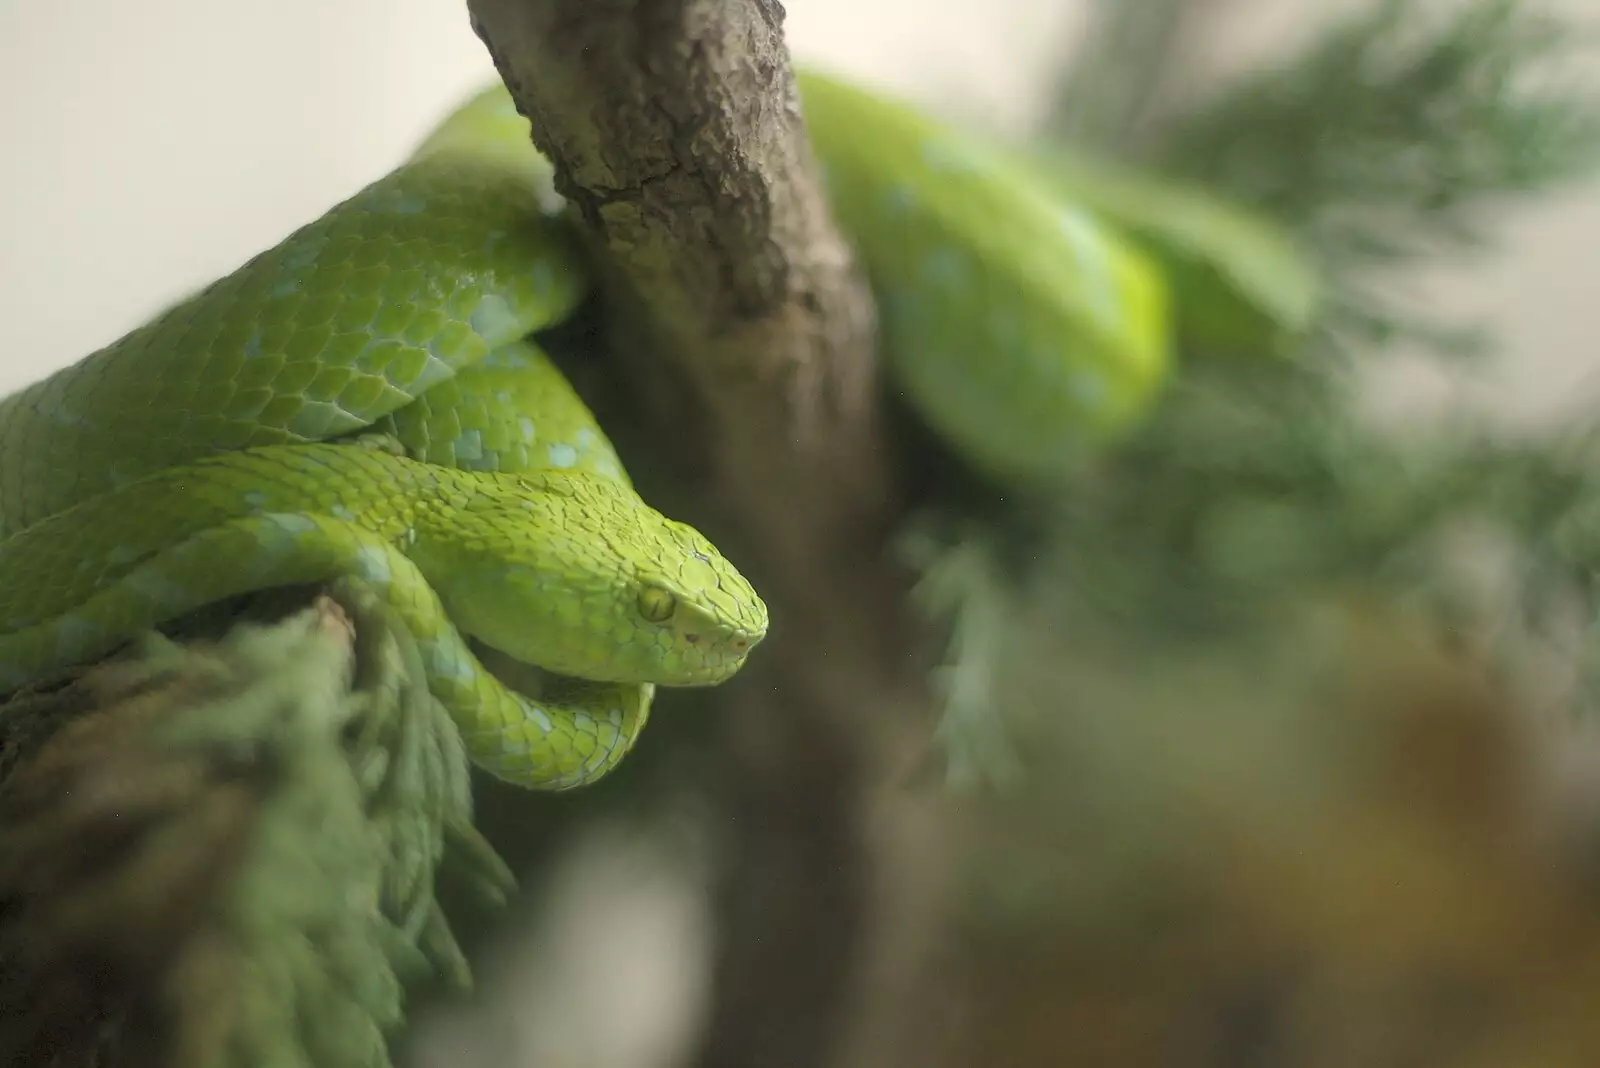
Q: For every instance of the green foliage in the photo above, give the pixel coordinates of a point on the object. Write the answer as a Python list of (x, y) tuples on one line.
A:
[(239, 843), (1383, 145)]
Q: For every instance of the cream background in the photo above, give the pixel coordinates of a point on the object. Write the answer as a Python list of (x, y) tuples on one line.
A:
[(148, 148)]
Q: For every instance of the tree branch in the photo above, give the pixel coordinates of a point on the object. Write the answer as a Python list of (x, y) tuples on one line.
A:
[(677, 135), (746, 338)]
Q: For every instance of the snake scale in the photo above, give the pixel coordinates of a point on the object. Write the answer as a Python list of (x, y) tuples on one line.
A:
[(225, 446)]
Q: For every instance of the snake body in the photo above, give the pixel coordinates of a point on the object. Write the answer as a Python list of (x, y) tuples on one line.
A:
[(1025, 332), (199, 456)]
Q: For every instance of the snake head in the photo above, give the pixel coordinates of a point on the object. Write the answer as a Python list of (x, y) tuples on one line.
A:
[(577, 575), (702, 614)]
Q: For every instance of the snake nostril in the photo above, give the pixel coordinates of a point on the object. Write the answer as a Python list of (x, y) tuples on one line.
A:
[(692, 638)]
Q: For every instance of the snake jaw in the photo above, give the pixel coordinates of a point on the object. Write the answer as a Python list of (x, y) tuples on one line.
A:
[(730, 663), (717, 617), (703, 642), (730, 652)]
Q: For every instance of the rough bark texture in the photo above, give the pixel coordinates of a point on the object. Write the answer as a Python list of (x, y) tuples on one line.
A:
[(746, 336), (676, 129)]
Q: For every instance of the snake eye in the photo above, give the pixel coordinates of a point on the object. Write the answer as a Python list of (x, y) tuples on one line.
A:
[(656, 605)]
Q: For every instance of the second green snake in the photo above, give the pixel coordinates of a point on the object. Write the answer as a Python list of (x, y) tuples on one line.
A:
[(198, 457)]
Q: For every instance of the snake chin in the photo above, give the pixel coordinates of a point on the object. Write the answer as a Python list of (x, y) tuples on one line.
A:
[(714, 625), (708, 657)]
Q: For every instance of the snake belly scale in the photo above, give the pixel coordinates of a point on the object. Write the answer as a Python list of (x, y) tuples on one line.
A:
[(204, 454)]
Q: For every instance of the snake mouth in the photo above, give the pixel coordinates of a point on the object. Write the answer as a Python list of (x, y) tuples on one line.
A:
[(737, 647), (718, 661), (704, 679)]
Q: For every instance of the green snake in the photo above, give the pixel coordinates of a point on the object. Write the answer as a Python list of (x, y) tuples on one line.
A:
[(221, 448)]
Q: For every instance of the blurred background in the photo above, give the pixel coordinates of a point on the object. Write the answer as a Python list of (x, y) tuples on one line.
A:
[(151, 148)]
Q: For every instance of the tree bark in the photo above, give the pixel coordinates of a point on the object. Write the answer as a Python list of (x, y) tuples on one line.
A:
[(745, 335), (676, 131)]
